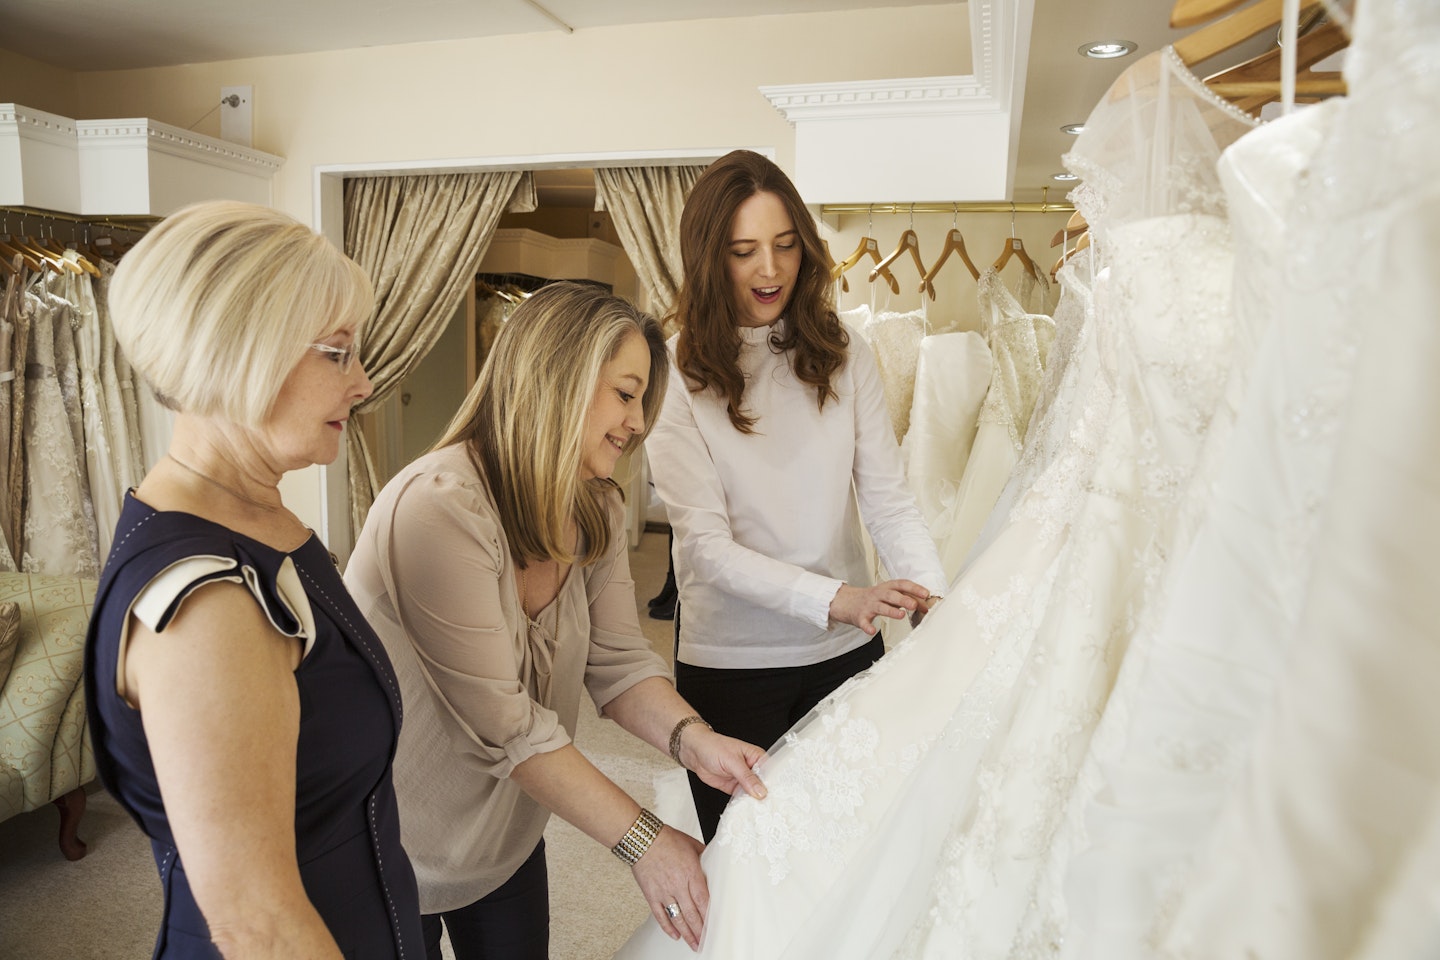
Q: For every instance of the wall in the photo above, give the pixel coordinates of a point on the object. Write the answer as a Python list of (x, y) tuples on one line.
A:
[(39, 85), (663, 86)]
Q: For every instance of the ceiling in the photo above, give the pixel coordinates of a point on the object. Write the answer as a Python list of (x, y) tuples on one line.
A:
[(1060, 86)]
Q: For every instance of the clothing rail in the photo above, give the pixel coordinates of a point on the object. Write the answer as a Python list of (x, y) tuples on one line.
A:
[(934, 207), (136, 222)]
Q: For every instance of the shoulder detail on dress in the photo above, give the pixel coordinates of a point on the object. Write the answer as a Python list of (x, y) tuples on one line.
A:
[(284, 603)]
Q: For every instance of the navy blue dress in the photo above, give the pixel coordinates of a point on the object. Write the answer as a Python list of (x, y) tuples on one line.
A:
[(347, 829)]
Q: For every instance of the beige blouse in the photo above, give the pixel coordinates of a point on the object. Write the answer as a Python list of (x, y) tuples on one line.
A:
[(484, 689)]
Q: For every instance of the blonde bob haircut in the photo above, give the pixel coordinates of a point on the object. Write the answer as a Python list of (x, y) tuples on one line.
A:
[(219, 301), (524, 421)]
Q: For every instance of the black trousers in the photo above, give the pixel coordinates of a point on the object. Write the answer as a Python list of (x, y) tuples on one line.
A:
[(511, 922), (760, 705)]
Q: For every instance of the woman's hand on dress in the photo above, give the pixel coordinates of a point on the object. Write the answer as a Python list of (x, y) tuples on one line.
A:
[(859, 606), (722, 762), (669, 875)]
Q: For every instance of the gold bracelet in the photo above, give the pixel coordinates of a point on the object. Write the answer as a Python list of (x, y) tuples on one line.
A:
[(675, 734), (638, 838)]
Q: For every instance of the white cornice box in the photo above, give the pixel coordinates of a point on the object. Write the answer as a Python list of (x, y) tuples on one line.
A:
[(39, 160), (144, 167), (917, 139)]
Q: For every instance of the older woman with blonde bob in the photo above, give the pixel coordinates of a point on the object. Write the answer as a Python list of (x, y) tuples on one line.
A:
[(241, 709), (494, 568)]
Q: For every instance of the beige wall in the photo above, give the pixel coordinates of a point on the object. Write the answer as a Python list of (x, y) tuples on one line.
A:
[(668, 86), (39, 85)]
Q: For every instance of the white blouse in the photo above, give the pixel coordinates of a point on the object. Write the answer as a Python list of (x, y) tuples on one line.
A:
[(766, 524)]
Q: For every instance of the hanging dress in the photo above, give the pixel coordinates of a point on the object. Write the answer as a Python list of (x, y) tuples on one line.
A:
[(59, 522), (1015, 377), (908, 815)]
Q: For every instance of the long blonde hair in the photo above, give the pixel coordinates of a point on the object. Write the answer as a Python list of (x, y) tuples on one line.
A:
[(523, 423)]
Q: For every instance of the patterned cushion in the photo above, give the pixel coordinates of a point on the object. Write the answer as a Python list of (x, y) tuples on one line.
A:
[(9, 636), (44, 744)]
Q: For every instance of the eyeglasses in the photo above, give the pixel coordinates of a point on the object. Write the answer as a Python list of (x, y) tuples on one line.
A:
[(343, 357)]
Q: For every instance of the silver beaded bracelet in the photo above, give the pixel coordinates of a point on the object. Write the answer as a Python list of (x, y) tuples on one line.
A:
[(638, 838)]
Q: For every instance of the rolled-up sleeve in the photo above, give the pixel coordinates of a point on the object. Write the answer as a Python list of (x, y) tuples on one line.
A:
[(620, 656), (445, 563)]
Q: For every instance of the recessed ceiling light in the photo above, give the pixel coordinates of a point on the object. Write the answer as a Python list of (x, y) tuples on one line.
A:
[(1073, 129), (1106, 49), (1063, 176)]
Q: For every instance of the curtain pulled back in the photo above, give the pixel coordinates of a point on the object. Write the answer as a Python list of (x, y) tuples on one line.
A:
[(420, 239), (645, 205)]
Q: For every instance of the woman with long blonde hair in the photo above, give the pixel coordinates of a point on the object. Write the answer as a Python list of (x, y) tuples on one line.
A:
[(494, 569)]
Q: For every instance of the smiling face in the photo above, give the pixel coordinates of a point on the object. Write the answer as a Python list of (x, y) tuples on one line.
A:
[(314, 403), (616, 413), (763, 259)]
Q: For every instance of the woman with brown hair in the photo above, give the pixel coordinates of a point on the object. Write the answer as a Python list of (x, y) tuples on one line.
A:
[(773, 433)]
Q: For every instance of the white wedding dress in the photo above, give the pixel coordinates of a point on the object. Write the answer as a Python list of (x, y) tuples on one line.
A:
[(1016, 373), (1201, 663), (951, 380), (1326, 845), (908, 816)]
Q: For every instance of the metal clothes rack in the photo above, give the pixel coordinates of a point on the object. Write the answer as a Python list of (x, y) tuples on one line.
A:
[(936, 207), (137, 223)]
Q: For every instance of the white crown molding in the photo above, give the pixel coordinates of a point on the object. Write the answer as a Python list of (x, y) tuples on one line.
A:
[(16, 121), (163, 138), (984, 91), (872, 99)]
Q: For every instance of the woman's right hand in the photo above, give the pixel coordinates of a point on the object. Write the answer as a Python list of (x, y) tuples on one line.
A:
[(859, 606), (669, 873)]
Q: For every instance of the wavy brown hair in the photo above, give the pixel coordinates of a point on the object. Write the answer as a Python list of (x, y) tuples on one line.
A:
[(708, 349)]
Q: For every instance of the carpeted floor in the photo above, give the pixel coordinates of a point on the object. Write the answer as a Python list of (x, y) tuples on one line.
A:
[(106, 906)]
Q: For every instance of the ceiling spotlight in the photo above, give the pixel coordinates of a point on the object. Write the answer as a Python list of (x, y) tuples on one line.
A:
[(1106, 49), (1063, 176), (1073, 129)]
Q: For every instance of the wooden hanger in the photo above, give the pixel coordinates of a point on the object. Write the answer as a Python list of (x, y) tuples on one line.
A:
[(1015, 247), (12, 265), (1081, 244), (866, 247), (1191, 13), (954, 243), (29, 259), (911, 242), (1256, 82), (1232, 30), (830, 266), (1074, 227)]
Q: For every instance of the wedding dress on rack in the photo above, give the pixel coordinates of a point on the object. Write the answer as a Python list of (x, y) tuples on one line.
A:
[(1016, 372), (1197, 672), (1327, 841), (909, 814), (952, 376), (894, 337), (58, 529)]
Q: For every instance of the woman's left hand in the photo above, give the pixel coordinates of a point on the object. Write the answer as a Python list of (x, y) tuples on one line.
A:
[(722, 762), (670, 877)]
